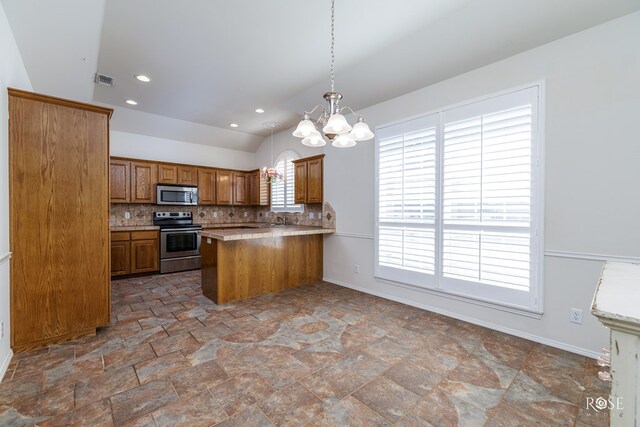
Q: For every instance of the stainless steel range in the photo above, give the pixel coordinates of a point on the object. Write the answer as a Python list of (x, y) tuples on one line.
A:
[(179, 241)]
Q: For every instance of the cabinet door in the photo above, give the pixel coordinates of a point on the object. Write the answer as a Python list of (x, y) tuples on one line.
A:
[(300, 179), (224, 189), (314, 181), (119, 181), (253, 185), (144, 256), (144, 177), (120, 258), (187, 175), (167, 174), (206, 187), (239, 188)]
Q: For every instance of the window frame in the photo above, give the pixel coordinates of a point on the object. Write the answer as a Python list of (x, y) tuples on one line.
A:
[(532, 305), (288, 186)]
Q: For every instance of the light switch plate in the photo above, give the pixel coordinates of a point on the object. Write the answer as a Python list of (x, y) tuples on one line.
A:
[(310, 215), (215, 214), (246, 214), (127, 215)]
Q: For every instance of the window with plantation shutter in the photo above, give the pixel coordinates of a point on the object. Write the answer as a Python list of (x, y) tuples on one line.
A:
[(458, 200), (282, 191)]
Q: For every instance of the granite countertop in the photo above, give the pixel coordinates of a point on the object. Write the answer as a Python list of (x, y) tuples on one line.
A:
[(263, 231), (235, 225), (133, 227)]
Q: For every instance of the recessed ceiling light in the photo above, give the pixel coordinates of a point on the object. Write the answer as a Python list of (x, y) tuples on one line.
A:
[(131, 102), (233, 125), (259, 110), (143, 78)]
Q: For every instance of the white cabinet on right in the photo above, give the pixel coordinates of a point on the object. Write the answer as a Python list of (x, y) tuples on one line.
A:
[(616, 303)]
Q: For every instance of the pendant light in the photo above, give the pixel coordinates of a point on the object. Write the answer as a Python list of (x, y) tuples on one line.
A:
[(271, 174), (335, 126)]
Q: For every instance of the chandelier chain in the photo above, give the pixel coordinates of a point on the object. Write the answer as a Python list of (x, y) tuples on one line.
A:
[(333, 42)]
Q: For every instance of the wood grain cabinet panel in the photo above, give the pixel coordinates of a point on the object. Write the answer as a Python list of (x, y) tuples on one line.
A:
[(167, 174), (224, 188), (119, 180), (120, 258), (144, 256), (239, 180), (314, 181), (206, 186), (187, 175), (144, 177), (308, 178), (59, 216), (300, 180)]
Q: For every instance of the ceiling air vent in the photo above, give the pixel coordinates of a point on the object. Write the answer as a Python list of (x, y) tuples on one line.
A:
[(104, 80)]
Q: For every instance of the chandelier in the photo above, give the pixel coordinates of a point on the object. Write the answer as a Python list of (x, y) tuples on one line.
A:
[(271, 174), (334, 125)]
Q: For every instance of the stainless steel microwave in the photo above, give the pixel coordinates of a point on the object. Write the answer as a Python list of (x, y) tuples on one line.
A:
[(177, 195)]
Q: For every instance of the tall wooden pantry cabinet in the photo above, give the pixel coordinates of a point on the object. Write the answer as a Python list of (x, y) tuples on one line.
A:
[(59, 219)]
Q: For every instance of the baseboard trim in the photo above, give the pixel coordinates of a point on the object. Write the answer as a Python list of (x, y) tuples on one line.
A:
[(4, 258), (499, 328), (5, 364)]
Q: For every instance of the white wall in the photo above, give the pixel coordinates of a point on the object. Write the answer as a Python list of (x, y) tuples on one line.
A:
[(12, 74), (138, 146), (592, 175), (282, 141)]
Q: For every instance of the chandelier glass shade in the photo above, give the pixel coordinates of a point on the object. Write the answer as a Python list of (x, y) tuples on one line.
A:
[(332, 121)]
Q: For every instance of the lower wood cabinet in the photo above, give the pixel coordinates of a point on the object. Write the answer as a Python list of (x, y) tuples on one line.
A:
[(134, 252)]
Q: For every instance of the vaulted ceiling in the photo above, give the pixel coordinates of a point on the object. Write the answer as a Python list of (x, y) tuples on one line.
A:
[(214, 62)]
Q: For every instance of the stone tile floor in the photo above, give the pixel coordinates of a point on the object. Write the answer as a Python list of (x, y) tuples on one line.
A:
[(320, 355)]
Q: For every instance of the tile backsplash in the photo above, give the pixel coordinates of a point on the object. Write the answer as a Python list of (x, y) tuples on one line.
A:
[(142, 214)]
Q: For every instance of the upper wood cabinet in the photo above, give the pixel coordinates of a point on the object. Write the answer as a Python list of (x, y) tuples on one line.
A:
[(187, 175), (258, 189), (314, 180), (206, 186), (308, 180), (239, 180), (59, 219), (119, 177), (224, 187), (177, 174), (167, 174), (144, 177)]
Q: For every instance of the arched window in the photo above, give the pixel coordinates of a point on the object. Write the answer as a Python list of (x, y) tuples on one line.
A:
[(282, 191)]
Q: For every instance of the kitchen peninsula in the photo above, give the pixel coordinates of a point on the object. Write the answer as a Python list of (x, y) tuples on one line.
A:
[(239, 263)]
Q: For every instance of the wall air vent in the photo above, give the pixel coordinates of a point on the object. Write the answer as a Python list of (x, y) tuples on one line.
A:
[(103, 79)]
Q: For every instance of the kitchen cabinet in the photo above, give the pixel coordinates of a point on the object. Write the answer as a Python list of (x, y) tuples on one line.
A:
[(167, 174), (120, 253), (134, 252), (59, 215), (119, 181), (144, 177), (206, 186), (145, 256), (308, 180), (239, 180), (187, 175), (258, 189), (224, 187)]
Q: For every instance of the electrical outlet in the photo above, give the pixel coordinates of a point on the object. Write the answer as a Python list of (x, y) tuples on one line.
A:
[(215, 214), (1, 331), (356, 268), (246, 214), (576, 316), (127, 215), (310, 215)]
